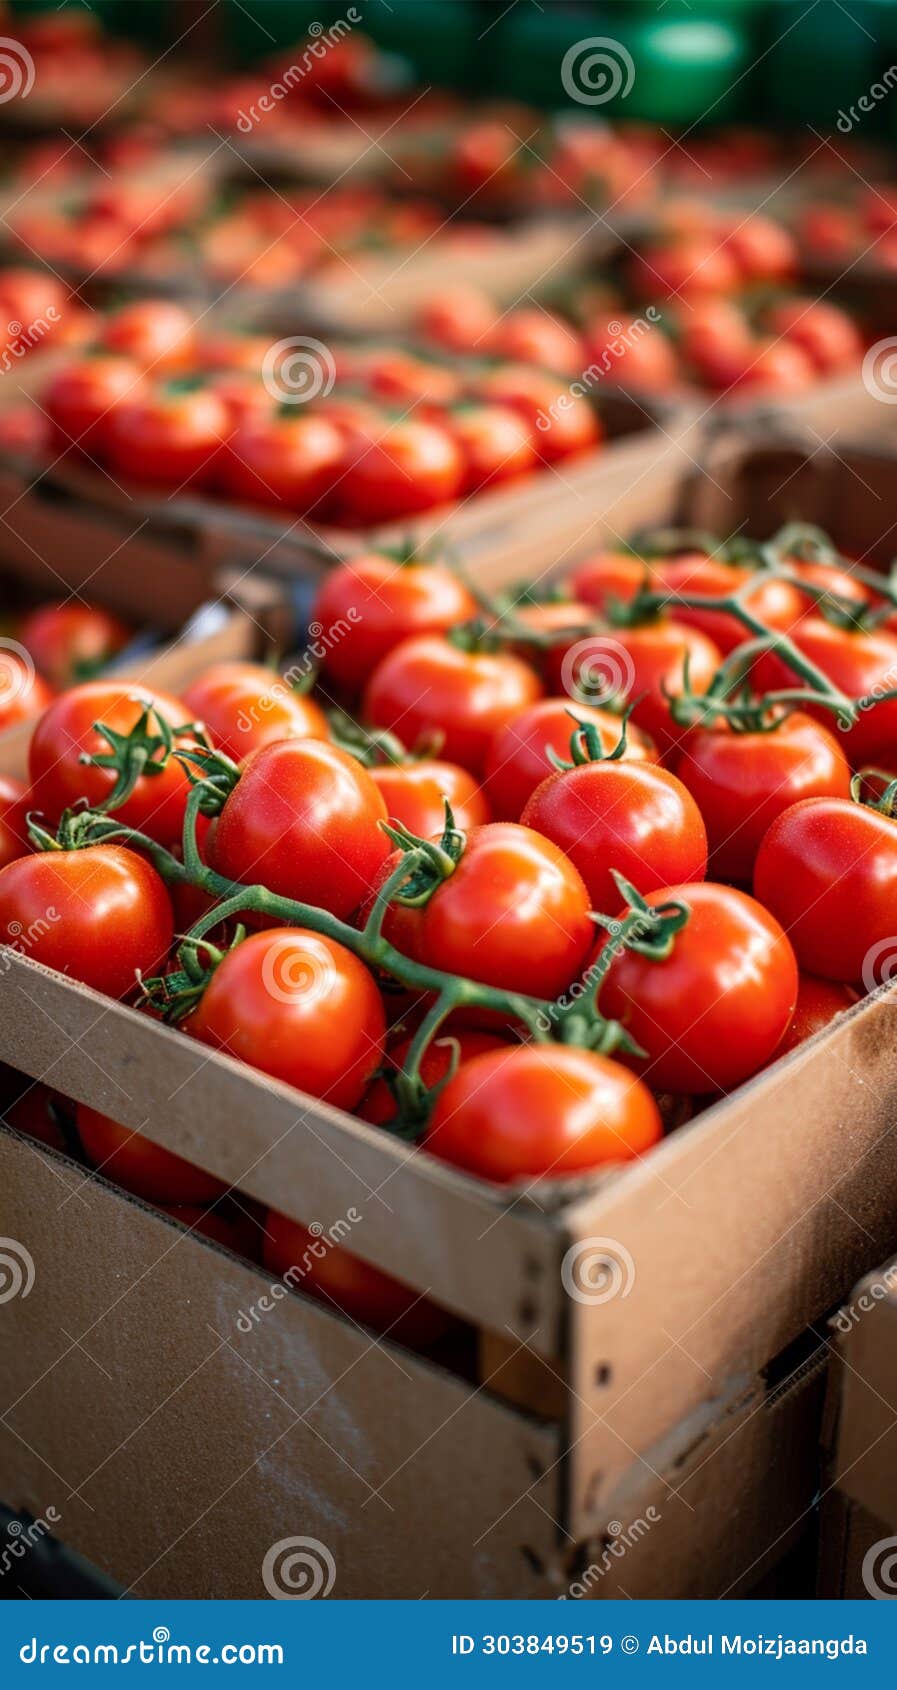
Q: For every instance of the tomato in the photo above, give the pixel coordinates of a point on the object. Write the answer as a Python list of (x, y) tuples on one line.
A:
[(429, 686), (402, 380), (80, 398), (630, 352), (69, 639), (224, 351), (282, 458), (101, 915), (23, 694), (632, 817), (307, 1259), (540, 1112), (763, 250), (167, 434), (775, 602), (246, 705), (818, 1002), (140, 1166), (66, 731), (860, 664), (244, 398), (14, 806), (370, 604), (611, 577), (529, 335), (497, 444), (458, 319), (303, 820), (299, 1007), (715, 338), (32, 1109), (825, 333), (441, 1055), (157, 333), (415, 794), (777, 366), (398, 469), (563, 423), (646, 660), (230, 1226), (513, 914), (742, 781), (712, 1012), (692, 268), (827, 868), (517, 760)]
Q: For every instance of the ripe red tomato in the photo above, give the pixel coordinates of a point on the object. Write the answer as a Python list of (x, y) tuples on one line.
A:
[(830, 577), (458, 319), (398, 469), (415, 794), (299, 1007), (282, 458), (15, 803), (763, 250), (429, 686), (404, 380), (715, 339), (157, 333), (632, 817), (562, 422), (826, 334), (776, 366), (307, 1259), (147, 1169), (101, 914), (496, 443), (609, 577), (69, 639), (818, 1002), (711, 1013), (379, 1104), (82, 395), (514, 914), (246, 705), (303, 820), (517, 760), (860, 664), (645, 663), (30, 1107), (541, 1112), (66, 731), (827, 868), (230, 1226), (370, 604), (775, 602), (692, 268), (631, 353), (23, 693), (529, 335), (167, 434), (742, 781)]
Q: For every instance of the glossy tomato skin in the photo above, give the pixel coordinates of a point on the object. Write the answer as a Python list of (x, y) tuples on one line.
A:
[(818, 1002), (399, 469), (304, 820), (309, 1262), (379, 1105), (369, 605), (67, 639), (713, 1012), (541, 1112), (65, 731), (827, 868), (860, 664), (563, 424), (496, 444), (100, 915), (644, 663), (611, 576), (776, 603), (81, 396), (157, 334), (514, 914), (282, 460), (458, 318), (635, 818), (23, 693), (142, 1167), (517, 760), (299, 1007), (742, 781), (428, 686), (167, 435), (14, 806), (246, 705), (415, 794)]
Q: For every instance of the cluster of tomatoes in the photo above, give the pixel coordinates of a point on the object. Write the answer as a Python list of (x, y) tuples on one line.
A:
[(859, 225), (518, 926)]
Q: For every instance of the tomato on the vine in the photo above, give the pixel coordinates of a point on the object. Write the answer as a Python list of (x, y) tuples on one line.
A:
[(428, 686), (158, 334), (442, 1056), (282, 458), (775, 602), (608, 578), (415, 795), (23, 692), (169, 433), (862, 664), (246, 705), (81, 396), (370, 604), (496, 443), (646, 663), (518, 760), (398, 469), (142, 1167), (69, 640)]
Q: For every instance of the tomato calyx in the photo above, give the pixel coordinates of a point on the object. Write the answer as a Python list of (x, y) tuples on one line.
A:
[(585, 742), (372, 747), (216, 779), (884, 801), (431, 861), (174, 995), (140, 752)]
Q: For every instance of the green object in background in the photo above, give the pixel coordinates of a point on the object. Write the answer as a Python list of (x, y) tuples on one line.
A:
[(685, 71), (819, 64), (530, 48), (439, 38), (257, 29)]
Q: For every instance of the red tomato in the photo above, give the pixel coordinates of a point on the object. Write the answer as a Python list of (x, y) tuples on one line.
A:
[(66, 731), (775, 602), (517, 760), (428, 686), (101, 915), (70, 639), (147, 1169), (715, 338), (167, 434), (30, 1110), (647, 660), (304, 820), (818, 1002), (402, 379), (450, 1049), (529, 335), (632, 817), (825, 333), (23, 694), (860, 664), (399, 469), (307, 1259), (712, 1012), (82, 395), (514, 914), (496, 442), (299, 1007), (742, 781), (246, 705), (631, 352), (370, 604), (763, 250), (157, 333), (562, 422), (827, 868), (244, 352), (611, 577), (834, 580), (231, 1227), (692, 268), (776, 366), (282, 459), (15, 802), (415, 794), (541, 1112), (458, 319)]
